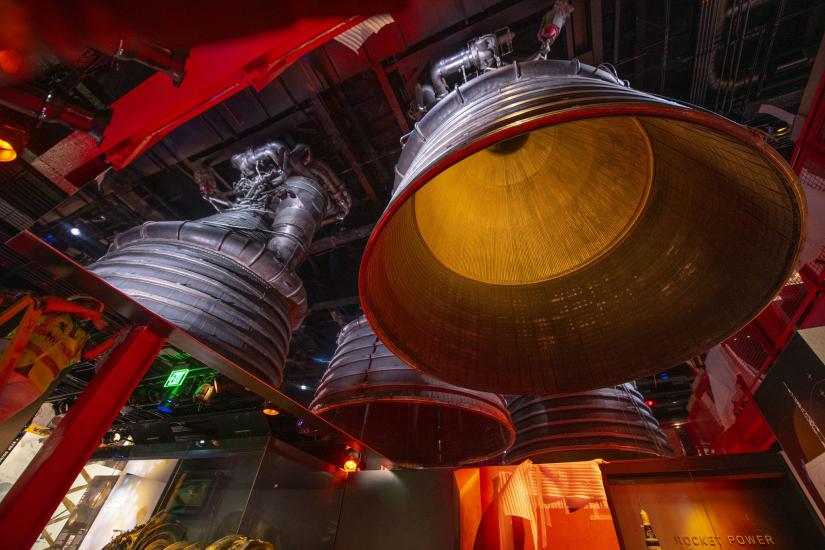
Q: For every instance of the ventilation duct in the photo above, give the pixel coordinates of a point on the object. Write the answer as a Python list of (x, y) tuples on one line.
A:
[(229, 279), (409, 417), (552, 230), (610, 423)]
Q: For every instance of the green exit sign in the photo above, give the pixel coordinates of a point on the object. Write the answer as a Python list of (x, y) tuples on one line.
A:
[(176, 378)]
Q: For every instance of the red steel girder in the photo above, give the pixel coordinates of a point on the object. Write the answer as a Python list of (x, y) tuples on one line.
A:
[(53, 110), (35, 496), (214, 72)]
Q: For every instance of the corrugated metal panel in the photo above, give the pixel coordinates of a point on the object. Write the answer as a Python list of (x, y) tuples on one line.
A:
[(357, 35), (13, 216)]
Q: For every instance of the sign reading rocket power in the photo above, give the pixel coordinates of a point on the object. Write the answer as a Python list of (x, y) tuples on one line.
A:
[(704, 503)]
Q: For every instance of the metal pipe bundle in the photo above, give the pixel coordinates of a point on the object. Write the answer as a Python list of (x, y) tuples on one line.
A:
[(411, 418)]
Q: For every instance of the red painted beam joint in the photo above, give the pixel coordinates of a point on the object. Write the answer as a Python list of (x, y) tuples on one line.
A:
[(214, 72), (49, 109), (35, 496)]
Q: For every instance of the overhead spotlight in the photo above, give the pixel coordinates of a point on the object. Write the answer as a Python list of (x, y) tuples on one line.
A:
[(303, 387), (75, 231), (782, 130), (650, 402), (352, 462), (7, 152), (270, 409), (204, 393), (12, 142)]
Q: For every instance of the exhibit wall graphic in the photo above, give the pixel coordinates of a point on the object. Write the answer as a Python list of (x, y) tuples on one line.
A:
[(727, 502), (792, 400), (131, 500), (535, 507)]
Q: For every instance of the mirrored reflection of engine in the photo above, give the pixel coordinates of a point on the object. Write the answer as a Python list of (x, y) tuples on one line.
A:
[(610, 423)]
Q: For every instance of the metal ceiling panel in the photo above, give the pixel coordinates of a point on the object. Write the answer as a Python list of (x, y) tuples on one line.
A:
[(193, 137), (276, 96), (242, 111)]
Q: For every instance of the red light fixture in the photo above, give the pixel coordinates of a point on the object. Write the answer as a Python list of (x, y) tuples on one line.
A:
[(352, 462), (650, 402), (10, 61)]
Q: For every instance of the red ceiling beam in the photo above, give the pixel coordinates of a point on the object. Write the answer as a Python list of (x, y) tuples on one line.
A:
[(30, 502), (214, 72)]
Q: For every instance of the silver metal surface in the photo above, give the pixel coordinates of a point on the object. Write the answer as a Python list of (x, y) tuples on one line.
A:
[(64, 271), (610, 423), (480, 54), (229, 279), (412, 418), (713, 237)]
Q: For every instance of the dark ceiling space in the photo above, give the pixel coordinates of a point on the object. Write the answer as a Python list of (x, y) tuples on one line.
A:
[(352, 111)]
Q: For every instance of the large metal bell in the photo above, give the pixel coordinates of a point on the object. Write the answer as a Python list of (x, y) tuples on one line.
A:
[(609, 423), (552, 230), (409, 417)]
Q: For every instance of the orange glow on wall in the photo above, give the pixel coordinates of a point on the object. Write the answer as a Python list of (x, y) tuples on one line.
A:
[(534, 507)]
